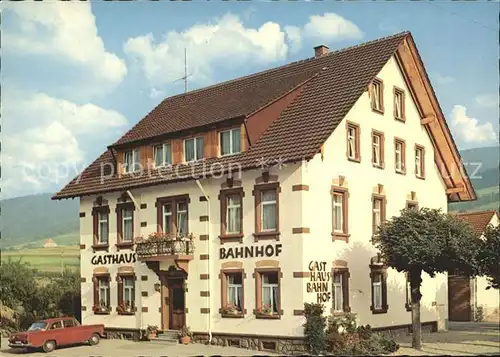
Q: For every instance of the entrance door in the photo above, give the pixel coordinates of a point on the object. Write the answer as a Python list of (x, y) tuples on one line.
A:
[(459, 298), (177, 304)]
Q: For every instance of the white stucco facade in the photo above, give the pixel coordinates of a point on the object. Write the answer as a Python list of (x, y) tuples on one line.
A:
[(309, 211)]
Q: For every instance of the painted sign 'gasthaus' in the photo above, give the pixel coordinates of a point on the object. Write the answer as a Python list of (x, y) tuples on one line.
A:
[(227, 208)]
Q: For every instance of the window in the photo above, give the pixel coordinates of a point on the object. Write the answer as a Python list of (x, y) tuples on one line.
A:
[(100, 216), (341, 290), (419, 161), (353, 147), (408, 293), (126, 294), (131, 161), (68, 323), (377, 95), (413, 205), (378, 213), (399, 156), (193, 149), (231, 213), (101, 294), (173, 214), (378, 276), (56, 325), (268, 293), (230, 142), (399, 104), (163, 155), (232, 293), (378, 149), (339, 213), (267, 210), (125, 222)]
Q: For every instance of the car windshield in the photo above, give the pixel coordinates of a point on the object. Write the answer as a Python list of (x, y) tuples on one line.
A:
[(38, 326)]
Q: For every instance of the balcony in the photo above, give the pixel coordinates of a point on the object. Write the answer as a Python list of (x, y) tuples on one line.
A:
[(160, 246)]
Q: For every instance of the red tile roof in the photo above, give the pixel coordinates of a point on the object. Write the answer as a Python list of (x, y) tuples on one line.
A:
[(332, 85), (478, 220)]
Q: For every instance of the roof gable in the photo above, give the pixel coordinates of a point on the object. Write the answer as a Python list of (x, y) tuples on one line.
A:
[(478, 220)]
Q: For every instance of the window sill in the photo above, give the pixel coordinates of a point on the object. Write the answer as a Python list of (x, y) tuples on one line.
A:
[(233, 316), (97, 247), (340, 313), (355, 159), (123, 245), (378, 166), (378, 111), (420, 177), (231, 237), (266, 235), (341, 236), (382, 311), (101, 312), (231, 154), (401, 172), (267, 316), (403, 120), (127, 313)]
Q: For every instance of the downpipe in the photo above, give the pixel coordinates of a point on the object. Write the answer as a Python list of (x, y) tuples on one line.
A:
[(208, 260)]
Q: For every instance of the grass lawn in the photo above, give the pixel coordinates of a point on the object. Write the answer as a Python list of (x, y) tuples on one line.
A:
[(47, 259)]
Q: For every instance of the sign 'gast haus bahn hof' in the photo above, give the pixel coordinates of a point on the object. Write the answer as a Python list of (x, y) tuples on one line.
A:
[(357, 148)]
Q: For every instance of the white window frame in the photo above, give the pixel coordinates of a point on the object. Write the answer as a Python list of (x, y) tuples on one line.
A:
[(341, 205), (336, 286), (195, 144), (231, 133), (399, 156), (99, 228), (268, 203), (398, 104), (131, 290), (163, 149), (377, 287), (271, 287), (418, 161), (376, 92), (166, 214), (124, 218), (234, 286), (377, 211), (376, 146), (234, 207), (135, 161), (352, 142), (178, 212), (103, 287)]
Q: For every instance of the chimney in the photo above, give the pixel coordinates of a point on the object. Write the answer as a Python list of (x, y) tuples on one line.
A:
[(320, 50)]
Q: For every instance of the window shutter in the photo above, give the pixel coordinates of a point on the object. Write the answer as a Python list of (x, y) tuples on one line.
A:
[(345, 292), (119, 226), (384, 290), (95, 221), (95, 283), (119, 279)]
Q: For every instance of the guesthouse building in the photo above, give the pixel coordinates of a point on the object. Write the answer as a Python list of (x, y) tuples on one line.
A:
[(227, 208)]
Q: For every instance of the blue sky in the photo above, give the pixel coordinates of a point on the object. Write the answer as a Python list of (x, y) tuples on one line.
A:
[(76, 76)]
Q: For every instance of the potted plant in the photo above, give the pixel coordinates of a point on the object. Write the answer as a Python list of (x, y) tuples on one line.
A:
[(152, 330), (266, 309), (102, 307), (185, 335), (230, 309)]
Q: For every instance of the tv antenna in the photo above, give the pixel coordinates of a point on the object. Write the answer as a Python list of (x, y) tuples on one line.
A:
[(185, 73)]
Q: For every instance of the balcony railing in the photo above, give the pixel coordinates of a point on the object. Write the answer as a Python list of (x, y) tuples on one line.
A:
[(165, 246)]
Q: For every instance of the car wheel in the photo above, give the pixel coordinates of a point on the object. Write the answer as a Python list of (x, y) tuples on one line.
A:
[(94, 339), (49, 346)]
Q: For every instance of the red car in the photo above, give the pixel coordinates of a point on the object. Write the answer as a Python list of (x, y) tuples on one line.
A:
[(50, 333)]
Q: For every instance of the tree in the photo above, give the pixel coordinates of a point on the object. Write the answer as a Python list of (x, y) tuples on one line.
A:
[(489, 256), (17, 283), (427, 240)]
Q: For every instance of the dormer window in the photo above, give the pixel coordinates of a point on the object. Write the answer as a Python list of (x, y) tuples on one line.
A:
[(193, 149), (131, 161), (163, 155), (230, 142)]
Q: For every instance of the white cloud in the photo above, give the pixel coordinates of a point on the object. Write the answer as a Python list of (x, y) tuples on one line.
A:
[(156, 93), (331, 27), (294, 36), (442, 79), (225, 42), (63, 31), (41, 139), (487, 100), (469, 129)]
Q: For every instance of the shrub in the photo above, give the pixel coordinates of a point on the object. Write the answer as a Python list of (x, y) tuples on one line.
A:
[(314, 328)]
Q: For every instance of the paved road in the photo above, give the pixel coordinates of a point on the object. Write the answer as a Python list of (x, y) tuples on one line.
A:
[(456, 343), (123, 348)]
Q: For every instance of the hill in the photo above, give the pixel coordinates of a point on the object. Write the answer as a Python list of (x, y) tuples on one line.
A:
[(28, 221)]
